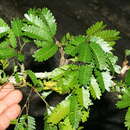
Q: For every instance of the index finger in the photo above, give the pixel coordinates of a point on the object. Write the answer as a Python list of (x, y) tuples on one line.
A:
[(5, 90)]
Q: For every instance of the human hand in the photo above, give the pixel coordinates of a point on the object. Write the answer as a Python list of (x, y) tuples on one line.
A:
[(9, 108)]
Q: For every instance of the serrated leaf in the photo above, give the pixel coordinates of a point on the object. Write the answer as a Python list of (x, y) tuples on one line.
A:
[(127, 77), (75, 113), (43, 20), (4, 44), (83, 97), (45, 53), (97, 27), (103, 44), (105, 80), (72, 44), (85, 115), (17, 25), (94, 88), (49, 19), (32, 77), (68, 81), (71, 50), (36, 32), (84, 52), (4, 28), (85, 73), (59, 112), (6, 53), (99, 56), (65, 125), (108, 35), (111, 61), (127, 119), (125, 101), (12, 39), (31, 123)]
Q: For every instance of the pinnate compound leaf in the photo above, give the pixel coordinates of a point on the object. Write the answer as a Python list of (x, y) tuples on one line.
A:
[(59, 112), (97, 27), (45, 53), (17, 25), (127, 119), (105, 80), (6, 53), (75, 113), (40, 24), (103, 44), (4, 28), (12, 39), (127, 77), (36, 33), (49, 19), (31, 123), (84, 53), (94, 88), (85, 72), (108, 35), (66, 125), (83, 96), (99, 56), (32, 77), (125, 101)]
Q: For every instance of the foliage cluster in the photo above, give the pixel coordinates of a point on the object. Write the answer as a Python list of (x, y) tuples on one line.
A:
[(88, 71)]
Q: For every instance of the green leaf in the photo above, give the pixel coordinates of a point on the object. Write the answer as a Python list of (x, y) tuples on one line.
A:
[(4, 44), (127, 52), (111, 61), (108, 35), (6, 53), (66, 125), (125, 101), (127, 77), (17, 25), (85, 73), (12, 39), (71, 50), (75, 113), (85, 115), (72, 44), (105, 80), (40, 24), (68, 81), (59, 112), (97, 27), (83, 97), (99, 56), (49, 19), (45, 53), (32, 77), (103, 44), (36, 32), (84, 52), (31, 123), (4, 28), (127, 118), (94, 88)]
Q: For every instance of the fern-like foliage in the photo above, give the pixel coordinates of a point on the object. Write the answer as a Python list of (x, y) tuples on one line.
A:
[(26, 123), (87, 74)]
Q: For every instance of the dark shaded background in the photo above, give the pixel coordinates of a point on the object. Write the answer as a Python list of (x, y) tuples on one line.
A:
[(76, 16)]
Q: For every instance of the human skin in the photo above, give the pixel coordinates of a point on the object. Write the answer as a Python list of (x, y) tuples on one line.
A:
[(9, 108)]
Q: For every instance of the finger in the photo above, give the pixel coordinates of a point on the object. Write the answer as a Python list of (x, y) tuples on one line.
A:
[(13, 97), (12, 112), (4, 122), (6, 89)]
